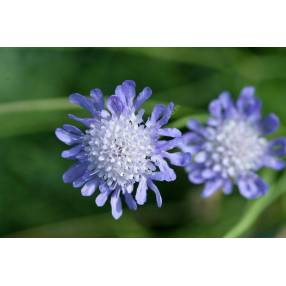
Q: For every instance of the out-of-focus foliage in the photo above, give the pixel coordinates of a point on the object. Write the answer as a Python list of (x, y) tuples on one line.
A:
[(34, 86)]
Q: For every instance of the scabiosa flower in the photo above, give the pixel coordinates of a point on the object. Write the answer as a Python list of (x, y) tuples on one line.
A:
[(118, 150), (232, 146)]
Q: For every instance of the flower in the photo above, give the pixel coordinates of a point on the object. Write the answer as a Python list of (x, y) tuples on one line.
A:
[(119, 150), (232, 146)]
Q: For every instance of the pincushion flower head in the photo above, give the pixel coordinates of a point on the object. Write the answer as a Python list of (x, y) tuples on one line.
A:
[(232, 146), (119, 153)]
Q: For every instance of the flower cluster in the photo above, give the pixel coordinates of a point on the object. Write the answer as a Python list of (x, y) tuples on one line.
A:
[(122, 155), (119, 153), (233, 146)]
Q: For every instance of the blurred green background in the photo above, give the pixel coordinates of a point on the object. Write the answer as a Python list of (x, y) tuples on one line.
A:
[(34, 88)]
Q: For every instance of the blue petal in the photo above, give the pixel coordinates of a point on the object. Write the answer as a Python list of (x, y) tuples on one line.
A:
[(97, 97), (85, 121), (161, 115), (222, 107), (74, 172), (72, 129), (71, 153), (144, 95), (126, 92), (168, 173), (273, 163), (89, 188), (83, 101), (130, 201), (278, 147), (103, 196), (141, 193), (154, 188), (129, 91), (66, 137), (196, 126), (249, 105), (195, 176), (251, 186), (167, 145), (116, 206), (87, 176), (227, 187), (179, 158), (269, 124), (115, 105), (169, 132), (211, 187)]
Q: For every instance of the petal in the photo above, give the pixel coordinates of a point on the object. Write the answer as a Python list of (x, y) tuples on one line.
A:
[(222, 107), (83, 101), (141, 193), (179, 158), (269, 124), (277, 147), (144, 95), (116, 206), (103, 196), (273, 163), (168, 145), (89, 188), (72, 129), (74, 172), (249, 105), (126, 92), (101, 199), (87, 176), (97, 97), (227, 187), (115, 105), (168, 173), (85, 121), (130, 201), (170, 132), (160, 115), (251, 186), (129, 91), (154, 188), (196, 126), (211, 187), (66, 137), (195, 176), (71, 153), (208, 174)]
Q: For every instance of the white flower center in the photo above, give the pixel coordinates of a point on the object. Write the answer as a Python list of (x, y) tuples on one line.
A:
[(233, 149), (119, 151)]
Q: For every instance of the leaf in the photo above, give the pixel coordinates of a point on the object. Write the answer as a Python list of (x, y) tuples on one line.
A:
[(100, 225)]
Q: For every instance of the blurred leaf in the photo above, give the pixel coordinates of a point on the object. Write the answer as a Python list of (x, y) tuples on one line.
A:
[(100, 225), (220, 59)]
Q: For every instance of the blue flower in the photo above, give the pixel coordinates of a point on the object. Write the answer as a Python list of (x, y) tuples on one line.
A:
[(232, 146), (118, 150)]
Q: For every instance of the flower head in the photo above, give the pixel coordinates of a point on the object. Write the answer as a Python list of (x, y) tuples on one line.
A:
[(232, 146), (118, 150)]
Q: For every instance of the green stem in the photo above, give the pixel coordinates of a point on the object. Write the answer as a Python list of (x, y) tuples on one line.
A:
[(256, 209)]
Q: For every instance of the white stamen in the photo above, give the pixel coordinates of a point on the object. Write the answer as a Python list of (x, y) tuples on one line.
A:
[(234, 149), (120, 149)]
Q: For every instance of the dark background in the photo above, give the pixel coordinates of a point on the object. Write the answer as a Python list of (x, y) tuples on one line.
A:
[(34, 88)]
